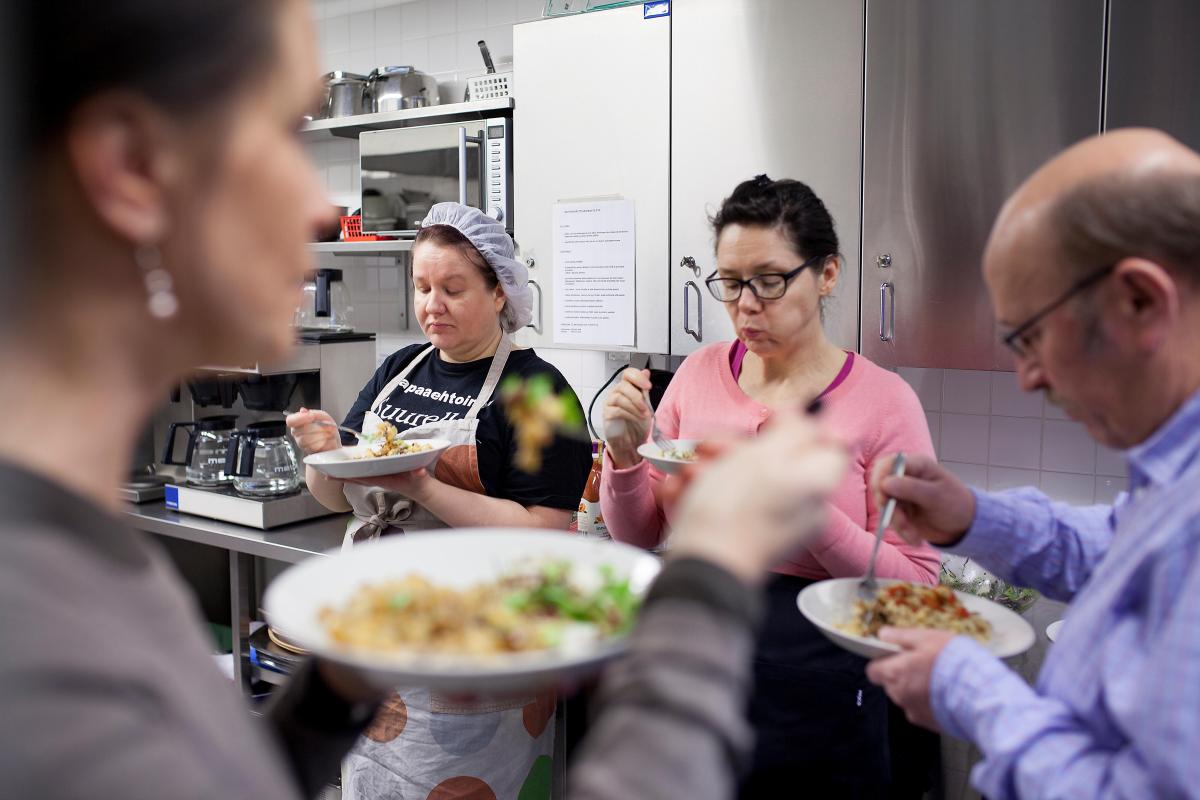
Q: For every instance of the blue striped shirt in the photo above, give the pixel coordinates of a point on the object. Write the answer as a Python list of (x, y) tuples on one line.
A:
[(1116, 708)]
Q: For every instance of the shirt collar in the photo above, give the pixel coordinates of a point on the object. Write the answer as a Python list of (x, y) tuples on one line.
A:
[(1170, 449)]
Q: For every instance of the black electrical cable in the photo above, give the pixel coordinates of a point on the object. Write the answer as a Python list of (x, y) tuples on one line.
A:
[(592, 405)]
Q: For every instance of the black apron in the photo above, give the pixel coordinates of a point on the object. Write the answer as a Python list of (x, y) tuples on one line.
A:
[(821, 727)]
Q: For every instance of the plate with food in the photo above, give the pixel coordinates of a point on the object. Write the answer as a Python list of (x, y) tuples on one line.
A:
[(382, 451), (681, 453), (835, 607), (473, 610)]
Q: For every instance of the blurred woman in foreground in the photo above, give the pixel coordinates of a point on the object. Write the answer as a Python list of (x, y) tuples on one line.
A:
[(169, 202)]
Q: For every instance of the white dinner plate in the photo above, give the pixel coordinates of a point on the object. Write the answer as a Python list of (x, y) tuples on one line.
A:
[(455, 559), (341, 463), (651, 452), (830, 603)]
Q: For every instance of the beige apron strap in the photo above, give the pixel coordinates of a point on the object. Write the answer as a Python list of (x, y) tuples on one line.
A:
[(368, 504), (375, 510), (404, 373), (499, 361)]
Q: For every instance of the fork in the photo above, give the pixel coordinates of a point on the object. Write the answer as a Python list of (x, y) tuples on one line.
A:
[(362, 437), (664, 444), (868, 586)]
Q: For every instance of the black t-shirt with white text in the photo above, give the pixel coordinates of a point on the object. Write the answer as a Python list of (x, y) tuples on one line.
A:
[(438, 390)]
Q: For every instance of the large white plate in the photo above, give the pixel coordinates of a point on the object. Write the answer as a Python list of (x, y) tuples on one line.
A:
[(456, 559), (651, 452), (830, 603), (341, 463)]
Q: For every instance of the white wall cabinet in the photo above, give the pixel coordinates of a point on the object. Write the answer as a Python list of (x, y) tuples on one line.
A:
[(592, 119), (761, 86), (673, 113)]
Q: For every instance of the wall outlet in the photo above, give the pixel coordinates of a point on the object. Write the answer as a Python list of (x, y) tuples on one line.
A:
[(615, 358)]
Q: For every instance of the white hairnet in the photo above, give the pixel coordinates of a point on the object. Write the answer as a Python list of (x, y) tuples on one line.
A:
[(496, 247)]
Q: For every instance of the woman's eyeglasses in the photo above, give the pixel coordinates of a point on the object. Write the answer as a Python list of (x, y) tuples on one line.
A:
[(766, 286)]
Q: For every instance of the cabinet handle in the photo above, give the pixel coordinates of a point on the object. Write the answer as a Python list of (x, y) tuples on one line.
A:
[(887, 311), (687, 262), (537, 327), (697, 334)]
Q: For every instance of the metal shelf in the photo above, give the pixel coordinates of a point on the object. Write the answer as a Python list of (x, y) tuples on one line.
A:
[(382, 248), (351, 127)]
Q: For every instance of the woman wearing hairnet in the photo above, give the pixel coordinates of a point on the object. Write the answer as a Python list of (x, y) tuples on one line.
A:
[(469, 295)]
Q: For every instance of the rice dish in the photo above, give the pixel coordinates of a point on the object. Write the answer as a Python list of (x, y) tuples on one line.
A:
[(906, 605), (387, 442), (533, 609)]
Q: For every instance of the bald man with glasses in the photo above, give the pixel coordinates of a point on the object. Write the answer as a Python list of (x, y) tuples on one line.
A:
[(1094, 268)]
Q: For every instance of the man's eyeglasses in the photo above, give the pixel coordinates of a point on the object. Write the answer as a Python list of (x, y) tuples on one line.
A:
[(1022, 338), (767, 286)]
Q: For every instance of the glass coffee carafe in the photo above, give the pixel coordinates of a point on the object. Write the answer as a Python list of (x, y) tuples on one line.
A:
[(262, 461), (207, 449), (325, 303)]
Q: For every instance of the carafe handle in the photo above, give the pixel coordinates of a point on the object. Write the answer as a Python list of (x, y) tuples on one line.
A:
[(169, 450), (322, 303), (239, 461)]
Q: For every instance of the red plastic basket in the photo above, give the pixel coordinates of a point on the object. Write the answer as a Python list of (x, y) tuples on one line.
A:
[(352, 230)]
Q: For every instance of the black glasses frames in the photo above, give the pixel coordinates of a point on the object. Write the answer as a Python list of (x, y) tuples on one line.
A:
[(1015, 339), (766, 286)]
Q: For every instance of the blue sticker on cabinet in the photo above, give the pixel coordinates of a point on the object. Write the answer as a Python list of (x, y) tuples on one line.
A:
[(655, 10), (171, 496)]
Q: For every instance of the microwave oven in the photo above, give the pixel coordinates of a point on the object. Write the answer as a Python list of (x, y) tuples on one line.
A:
[(405, 171)]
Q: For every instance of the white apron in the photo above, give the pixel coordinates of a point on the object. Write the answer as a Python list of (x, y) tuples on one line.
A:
[(422, 744)]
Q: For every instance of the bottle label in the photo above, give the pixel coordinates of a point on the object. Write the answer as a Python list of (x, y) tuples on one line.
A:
[(591, 520)]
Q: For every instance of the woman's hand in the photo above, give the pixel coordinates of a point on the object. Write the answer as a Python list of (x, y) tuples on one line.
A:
[(414, 484), (311, 437), (627, 417), (757, 502)]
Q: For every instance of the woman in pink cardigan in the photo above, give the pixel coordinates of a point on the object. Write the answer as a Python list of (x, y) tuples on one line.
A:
[(819, 723)]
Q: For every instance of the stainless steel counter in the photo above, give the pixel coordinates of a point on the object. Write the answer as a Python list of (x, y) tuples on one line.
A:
[(289, 543)]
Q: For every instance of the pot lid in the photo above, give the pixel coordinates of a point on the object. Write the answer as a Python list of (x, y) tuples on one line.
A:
[(268, 429), (339, 77), (395, 70), (333, 275), (218, 422)]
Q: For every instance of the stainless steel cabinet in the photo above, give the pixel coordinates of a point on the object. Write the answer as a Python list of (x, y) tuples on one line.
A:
[(963, 101), (1154, 67), (592, 119), (760, 86)]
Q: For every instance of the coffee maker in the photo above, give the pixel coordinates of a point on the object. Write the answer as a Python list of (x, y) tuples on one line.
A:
[(225, 430)]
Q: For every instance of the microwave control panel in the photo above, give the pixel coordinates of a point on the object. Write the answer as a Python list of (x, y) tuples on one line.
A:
[(498, 158)]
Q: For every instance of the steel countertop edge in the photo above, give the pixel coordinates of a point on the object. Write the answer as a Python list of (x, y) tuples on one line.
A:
[(288, 543)]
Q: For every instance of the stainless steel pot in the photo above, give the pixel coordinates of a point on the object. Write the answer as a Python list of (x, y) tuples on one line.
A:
[(346, 94), (397, 88)]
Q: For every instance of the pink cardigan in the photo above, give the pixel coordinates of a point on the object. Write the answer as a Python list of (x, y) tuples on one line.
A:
[(873, 409)]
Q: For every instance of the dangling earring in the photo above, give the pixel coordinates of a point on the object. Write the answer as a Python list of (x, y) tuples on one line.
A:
[(160, 292)]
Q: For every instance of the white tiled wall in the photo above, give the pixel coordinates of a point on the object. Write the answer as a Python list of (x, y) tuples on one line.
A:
[(435, 36), (995, 436)]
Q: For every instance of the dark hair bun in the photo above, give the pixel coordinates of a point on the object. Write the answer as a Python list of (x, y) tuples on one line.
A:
[(785, 204)]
